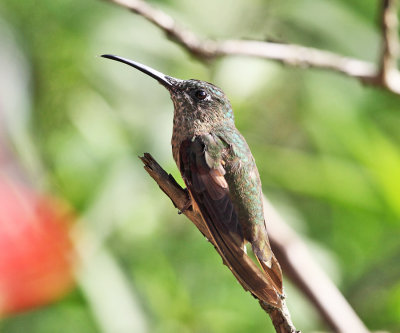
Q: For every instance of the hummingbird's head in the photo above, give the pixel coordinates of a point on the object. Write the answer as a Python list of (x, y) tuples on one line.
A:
[(195, 101), (201, 102)]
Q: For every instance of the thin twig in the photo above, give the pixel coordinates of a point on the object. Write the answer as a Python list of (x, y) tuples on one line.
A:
[(388, 73), (278, 313), (290, 54)]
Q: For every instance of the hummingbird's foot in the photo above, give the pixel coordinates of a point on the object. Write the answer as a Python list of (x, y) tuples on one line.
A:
[(188, 205)]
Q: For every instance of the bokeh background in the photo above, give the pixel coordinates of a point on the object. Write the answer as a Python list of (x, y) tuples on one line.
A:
[(73, 124)]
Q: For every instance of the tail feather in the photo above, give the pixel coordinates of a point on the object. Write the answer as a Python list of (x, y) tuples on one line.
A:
[(273, 271), (267, 260)]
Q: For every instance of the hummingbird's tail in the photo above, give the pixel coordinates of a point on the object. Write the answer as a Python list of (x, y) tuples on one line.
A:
[(265, 257), (273, 271)]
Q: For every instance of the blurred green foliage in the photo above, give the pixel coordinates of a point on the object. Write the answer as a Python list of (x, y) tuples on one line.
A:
[(327, 149)]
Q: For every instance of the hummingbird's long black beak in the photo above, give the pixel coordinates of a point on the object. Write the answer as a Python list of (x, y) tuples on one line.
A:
[(165, 80)]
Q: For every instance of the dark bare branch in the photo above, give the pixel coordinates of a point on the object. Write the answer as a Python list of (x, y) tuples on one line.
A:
[(278, 313)]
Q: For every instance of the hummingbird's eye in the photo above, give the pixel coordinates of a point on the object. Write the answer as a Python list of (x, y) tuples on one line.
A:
[(200, 94)]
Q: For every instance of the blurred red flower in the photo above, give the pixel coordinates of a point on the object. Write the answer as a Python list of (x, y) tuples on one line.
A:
[(36, 253)]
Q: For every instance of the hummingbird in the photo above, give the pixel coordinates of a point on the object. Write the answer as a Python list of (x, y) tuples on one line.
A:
[(219, 171)]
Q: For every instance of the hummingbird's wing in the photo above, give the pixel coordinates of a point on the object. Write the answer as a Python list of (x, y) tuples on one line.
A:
[(205, 177), (203, 174)]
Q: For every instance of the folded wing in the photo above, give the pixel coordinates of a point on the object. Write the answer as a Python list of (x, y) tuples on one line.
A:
[(202, 168)]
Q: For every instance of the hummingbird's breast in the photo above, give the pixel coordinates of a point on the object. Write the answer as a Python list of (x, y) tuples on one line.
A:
[(186, 127)]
